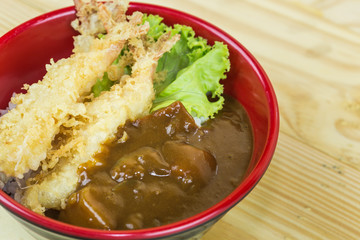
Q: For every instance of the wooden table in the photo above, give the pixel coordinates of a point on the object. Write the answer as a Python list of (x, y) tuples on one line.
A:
[(311, 52)]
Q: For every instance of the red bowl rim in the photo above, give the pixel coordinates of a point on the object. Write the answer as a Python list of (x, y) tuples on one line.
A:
[(187, 224)]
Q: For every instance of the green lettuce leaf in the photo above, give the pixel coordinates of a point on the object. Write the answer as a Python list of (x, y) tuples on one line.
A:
[(195, 82), (186, 51), (157, 28), (103, 84), (190, 72)]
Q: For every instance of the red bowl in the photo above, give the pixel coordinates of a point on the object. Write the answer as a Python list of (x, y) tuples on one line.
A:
[(26, 49)]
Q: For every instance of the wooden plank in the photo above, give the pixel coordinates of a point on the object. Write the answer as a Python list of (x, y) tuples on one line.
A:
[(297, 199)]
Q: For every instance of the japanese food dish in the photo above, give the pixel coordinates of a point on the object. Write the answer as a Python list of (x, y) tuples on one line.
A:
[(131, 131)]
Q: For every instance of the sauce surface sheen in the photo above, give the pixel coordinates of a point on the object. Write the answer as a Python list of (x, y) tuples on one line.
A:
[(162, 168)]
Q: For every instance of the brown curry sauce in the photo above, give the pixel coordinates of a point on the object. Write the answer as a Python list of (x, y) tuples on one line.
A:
[(162, 168)]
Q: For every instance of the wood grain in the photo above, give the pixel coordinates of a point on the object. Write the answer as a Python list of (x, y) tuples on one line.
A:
[(311, 52)]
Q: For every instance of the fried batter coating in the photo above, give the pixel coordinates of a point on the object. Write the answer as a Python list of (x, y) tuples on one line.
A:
[(130, 99), (26, 132), (88, 22)]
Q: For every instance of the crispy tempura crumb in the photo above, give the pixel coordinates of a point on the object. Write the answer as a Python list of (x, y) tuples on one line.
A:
[(130, 99), (26, 132)]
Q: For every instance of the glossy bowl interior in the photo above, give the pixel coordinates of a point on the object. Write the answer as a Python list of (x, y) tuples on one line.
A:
[(25, 50)]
